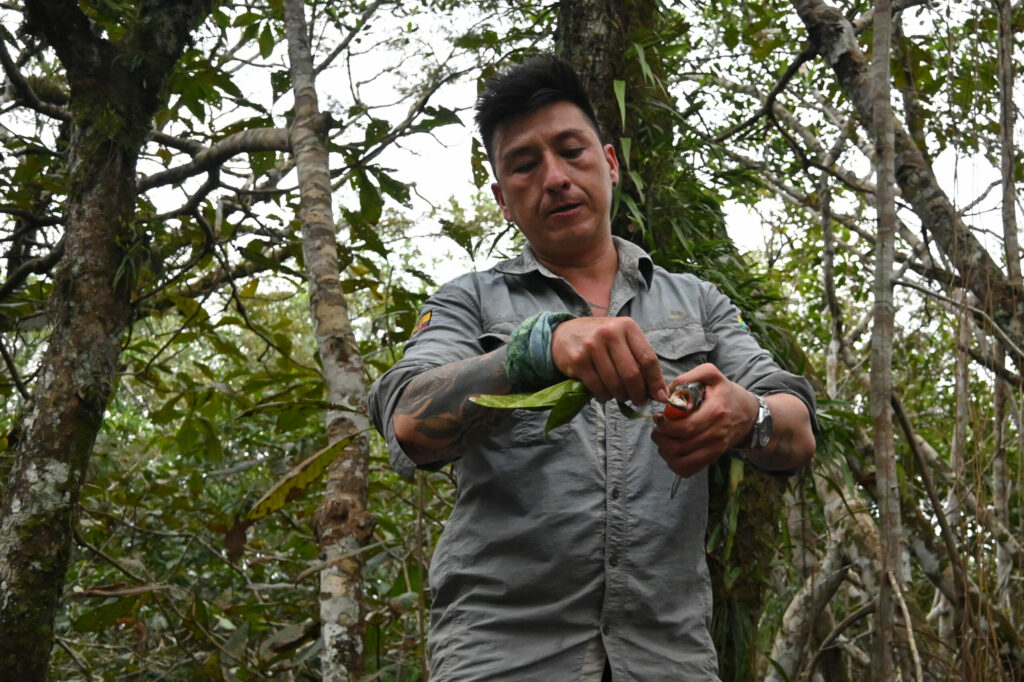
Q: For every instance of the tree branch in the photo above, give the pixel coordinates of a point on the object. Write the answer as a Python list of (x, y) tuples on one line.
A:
[(253, 140), (32, 266), (24, 89), (350, 36), (806, 55), (13, 369)]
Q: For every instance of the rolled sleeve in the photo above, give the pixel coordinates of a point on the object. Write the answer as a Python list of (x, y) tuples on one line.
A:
[(739, 356), (451, 333)]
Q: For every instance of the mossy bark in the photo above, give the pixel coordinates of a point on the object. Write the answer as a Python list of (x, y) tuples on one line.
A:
[(115, 90)]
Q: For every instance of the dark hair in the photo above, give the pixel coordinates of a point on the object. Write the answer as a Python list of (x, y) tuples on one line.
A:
[(525, 88)]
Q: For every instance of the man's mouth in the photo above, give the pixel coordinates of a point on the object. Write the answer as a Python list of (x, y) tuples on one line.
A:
[(564, 208)]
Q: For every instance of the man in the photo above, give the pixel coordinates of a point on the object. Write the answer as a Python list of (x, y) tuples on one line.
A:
[(565, 557)]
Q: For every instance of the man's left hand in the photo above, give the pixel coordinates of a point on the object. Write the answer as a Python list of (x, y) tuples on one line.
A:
[(698, 438)]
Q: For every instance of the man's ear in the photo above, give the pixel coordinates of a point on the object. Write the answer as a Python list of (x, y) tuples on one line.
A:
[(500, 198), (613, 163)]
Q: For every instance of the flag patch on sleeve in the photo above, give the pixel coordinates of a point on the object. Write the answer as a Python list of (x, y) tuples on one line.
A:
[(743, 323), (421, 323)]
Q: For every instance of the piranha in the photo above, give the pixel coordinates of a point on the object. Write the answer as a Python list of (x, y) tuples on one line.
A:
[(683, 400)]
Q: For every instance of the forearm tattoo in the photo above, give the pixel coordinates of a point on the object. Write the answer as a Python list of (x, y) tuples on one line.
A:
[(784, 449), (435, 408)]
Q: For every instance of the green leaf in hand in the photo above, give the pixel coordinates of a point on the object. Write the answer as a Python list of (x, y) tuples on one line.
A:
[(564, 399), (568, 406)]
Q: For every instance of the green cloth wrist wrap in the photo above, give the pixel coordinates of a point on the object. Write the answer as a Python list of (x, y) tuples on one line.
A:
[(529, 364)]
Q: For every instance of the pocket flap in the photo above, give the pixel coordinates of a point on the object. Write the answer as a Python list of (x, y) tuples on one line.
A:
[(673, 343)]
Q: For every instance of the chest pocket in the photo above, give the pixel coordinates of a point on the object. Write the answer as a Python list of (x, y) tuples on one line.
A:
[(680, 349)]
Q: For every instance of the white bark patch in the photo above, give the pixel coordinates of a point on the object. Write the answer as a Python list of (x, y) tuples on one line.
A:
[(46, 484), (845, 42)]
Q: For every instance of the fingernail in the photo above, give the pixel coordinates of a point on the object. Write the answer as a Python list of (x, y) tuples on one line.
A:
[(662, 395)]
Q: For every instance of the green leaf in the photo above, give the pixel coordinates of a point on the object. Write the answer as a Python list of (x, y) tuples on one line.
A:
[(565, 400), (296, 481), (479, 162), (634, 210), (435, 117), (544, 399), (248, 290), (266, 41), (731, 36), (377, 130), (637, 180), (475, 41), (567, 407), (630, 413), (371, 205), (644, 66), (620, 97), (280, 83), (105, 616), (399, 191), (262, 162)]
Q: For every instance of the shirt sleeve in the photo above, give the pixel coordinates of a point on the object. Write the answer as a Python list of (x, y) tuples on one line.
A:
[(448, 329), (739, 356)]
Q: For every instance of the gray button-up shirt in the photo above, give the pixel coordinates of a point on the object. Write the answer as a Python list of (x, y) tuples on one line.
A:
[(564, 540)]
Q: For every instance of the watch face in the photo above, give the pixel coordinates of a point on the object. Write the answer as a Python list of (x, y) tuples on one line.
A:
[(763, 425), (764, 429)]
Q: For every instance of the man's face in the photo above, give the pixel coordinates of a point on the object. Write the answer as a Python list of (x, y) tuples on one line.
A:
[(555, 181)]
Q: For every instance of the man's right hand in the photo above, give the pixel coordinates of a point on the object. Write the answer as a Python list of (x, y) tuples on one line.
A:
[(611, 356)]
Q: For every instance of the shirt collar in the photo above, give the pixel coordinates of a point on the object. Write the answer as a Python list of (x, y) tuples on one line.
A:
[(633, 261)]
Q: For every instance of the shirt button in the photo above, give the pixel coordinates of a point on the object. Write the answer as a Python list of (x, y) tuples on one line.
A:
[(613, 560), (615, 493)]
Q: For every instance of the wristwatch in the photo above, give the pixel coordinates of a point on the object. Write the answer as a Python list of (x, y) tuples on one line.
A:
[(762, 432)]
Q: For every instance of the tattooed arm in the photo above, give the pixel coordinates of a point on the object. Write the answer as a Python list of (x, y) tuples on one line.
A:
[(434, 418)]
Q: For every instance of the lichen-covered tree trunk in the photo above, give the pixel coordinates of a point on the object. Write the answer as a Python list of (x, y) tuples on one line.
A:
[(115, 90), (344, 523)]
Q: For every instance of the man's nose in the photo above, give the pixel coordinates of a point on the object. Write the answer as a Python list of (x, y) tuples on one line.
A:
[(556, 176)]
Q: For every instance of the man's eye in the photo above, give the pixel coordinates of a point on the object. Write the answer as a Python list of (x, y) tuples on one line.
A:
[(573, 153), (524, 167)]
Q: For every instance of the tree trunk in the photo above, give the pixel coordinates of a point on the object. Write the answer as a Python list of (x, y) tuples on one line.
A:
[(115, 90), (344, 523), (881, 347), (1006, 146), (1007, 149)]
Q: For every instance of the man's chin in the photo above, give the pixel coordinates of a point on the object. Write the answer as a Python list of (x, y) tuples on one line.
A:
[(570, 246)]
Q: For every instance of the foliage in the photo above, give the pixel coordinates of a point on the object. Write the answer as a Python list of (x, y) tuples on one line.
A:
[(219, 395)]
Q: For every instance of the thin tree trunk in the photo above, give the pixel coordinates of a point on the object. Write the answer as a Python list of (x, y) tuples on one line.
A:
[(115, 90), (1006, 146), (890, 525), (1001, 490), (791, 649), (344, 523), (1000, 481), (835, 344), (958, 454)]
